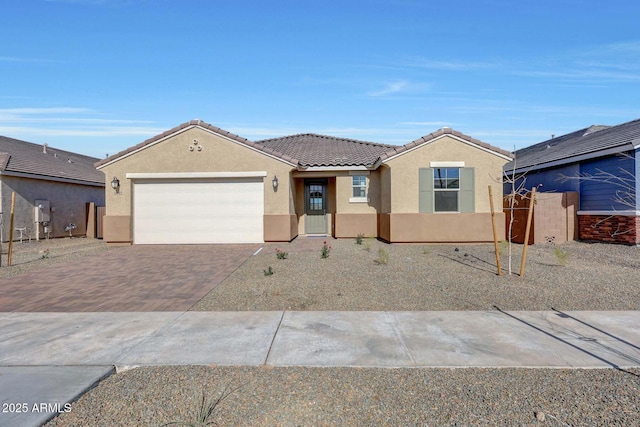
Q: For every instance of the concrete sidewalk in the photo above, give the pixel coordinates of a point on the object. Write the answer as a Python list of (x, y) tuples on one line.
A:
[(82, 347)]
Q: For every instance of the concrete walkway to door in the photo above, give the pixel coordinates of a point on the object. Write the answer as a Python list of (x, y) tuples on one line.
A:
[(130, 278)]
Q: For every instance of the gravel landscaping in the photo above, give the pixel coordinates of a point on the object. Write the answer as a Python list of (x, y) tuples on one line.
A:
[(571, 276), (363, 397), (30, 255), (356, 277)]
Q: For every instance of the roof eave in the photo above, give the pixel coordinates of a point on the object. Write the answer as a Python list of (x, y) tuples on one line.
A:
[(574, 159), (336, 168), (206, 127), (52, 178), (434, 136)]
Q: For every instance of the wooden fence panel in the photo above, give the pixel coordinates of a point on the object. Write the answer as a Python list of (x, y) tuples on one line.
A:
[(519, 220), (100, 213)]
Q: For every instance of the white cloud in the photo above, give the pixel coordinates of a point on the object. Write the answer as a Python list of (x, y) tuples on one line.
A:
[(399, 87), (96, 132), (68, 121), (594, 74), (448, 65), (22, 113), (391, 88)]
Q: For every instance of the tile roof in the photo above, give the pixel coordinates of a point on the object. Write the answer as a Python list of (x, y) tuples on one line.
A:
[(203, 125), (25, 157), (444, 131), (587, 141), (321, 150), (313, 150)]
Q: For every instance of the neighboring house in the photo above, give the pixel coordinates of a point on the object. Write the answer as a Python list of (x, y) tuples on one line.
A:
[(602, 164), (52, 189), (197, 183)]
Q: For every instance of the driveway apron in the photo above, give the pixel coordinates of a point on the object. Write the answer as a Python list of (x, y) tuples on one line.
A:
[(130, 278)]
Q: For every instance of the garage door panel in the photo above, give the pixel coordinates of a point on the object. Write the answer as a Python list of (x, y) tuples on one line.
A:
[(198, 211)]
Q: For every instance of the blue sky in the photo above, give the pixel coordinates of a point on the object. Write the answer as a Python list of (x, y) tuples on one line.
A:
[(97, 76)]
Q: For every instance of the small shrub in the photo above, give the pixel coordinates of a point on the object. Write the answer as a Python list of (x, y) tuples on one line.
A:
[(383, 257), (324, 253), (503, 245), (426, 250), (45, 253), (269, 271), (359, 239), (561, 256), (206, 411), (281, 254)]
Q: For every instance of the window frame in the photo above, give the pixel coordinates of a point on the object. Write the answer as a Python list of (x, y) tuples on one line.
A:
[(360, 186), (466, 196), (446, 189)]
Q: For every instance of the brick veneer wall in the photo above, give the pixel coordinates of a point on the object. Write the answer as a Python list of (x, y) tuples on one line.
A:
[(612, 229)]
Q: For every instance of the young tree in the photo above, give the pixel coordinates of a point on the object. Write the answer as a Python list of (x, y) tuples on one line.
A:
[(518, 192)]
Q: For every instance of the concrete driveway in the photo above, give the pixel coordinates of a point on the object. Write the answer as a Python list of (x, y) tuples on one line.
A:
[(130, 278)]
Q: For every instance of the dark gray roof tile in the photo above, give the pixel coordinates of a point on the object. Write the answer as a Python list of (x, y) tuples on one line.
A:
[(587, 141), (26, 157)]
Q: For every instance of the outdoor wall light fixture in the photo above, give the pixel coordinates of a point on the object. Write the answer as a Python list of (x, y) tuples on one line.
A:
[(274, 181), (115, 184)]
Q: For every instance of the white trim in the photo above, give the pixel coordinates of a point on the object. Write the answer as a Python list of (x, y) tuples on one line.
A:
[(51, 178), (450, 136), (189, 128), (446, 164), (610, 213), (359, 173), (188, 175), (573, 159), (358, 199), (333, 168), (636, 143)]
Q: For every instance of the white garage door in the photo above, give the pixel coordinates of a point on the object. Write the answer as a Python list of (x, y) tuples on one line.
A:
[(221, 210)]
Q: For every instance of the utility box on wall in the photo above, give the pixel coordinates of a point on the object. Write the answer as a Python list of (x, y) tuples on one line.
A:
[(42, 211)]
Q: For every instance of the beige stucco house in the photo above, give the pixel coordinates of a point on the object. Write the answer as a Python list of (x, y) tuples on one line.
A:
[(197, 183)]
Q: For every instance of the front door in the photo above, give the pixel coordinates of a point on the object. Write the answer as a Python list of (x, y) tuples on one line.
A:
[(315, 206)]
